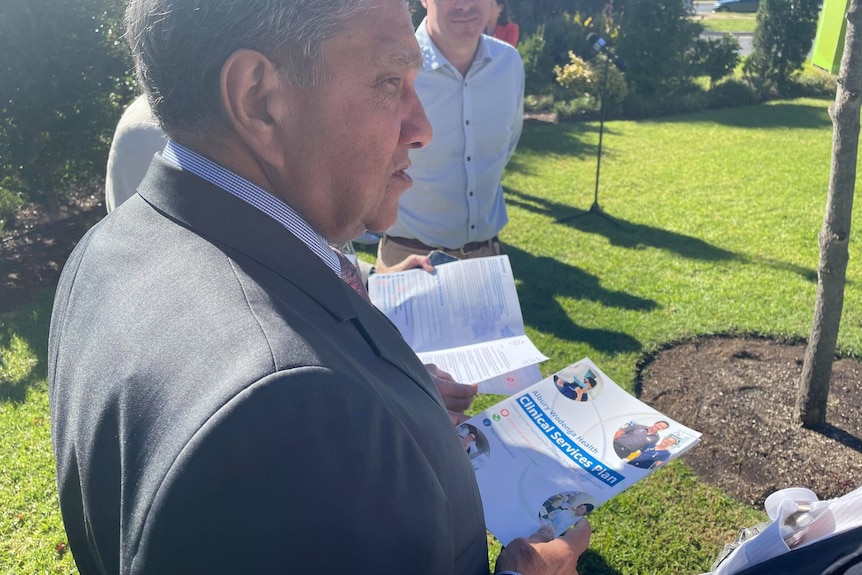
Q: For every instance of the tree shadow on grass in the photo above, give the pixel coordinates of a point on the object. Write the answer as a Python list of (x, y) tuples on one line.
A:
[(634, 236), (28, 327), (544, 279), (576, 140), (620, 232), (780, 115)]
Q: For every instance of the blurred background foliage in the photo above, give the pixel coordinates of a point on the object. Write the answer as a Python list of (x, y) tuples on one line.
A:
[(65, 75), (64, 81)]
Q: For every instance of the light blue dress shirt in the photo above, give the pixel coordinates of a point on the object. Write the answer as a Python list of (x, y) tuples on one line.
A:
[(456, 196)]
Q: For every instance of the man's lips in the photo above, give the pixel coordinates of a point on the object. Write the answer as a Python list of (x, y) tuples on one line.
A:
[(402, 174), (470, 17)]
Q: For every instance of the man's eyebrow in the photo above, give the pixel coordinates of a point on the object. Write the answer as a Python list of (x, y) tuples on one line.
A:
[(400, 59)]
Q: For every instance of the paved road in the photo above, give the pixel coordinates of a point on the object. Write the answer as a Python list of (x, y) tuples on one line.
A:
[(744, 39), (704, 7)]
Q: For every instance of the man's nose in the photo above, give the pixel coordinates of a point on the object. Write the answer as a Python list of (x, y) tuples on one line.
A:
[(416, 130)]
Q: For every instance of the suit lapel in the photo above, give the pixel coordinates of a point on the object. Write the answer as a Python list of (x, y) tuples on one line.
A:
[(388, 346), (226, 220)]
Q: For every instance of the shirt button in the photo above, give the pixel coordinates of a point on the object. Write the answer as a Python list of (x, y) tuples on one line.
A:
[(472, 227), (471, 194), (468, 122), (468, 158)]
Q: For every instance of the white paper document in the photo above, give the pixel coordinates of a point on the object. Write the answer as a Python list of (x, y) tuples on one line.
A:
[(465, 318), (553, 452), (482, 361)]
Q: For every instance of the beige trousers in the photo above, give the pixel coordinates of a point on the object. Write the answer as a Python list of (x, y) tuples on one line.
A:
[(390, 253)]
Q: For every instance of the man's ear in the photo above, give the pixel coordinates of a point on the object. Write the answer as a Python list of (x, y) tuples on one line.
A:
[(253, 102), (424, 4)]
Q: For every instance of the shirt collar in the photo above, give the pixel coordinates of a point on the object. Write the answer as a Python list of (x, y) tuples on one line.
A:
[(236, 185)]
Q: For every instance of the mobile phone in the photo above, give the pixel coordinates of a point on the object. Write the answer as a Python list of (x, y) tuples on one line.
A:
[(437, 257)]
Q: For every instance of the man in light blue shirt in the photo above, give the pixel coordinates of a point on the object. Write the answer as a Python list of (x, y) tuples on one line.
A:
[(472, 88)]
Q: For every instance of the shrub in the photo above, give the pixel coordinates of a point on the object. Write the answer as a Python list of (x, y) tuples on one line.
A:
[(577, 77), (684, 100), (716, 58), (657, 40), (813, 83), (549, 47), (783, 37), (586, 78), (538, 103), (576, 109), (9, 204), (731, 93), (530, 14), (690, 101), (538, 76), (64, 84)]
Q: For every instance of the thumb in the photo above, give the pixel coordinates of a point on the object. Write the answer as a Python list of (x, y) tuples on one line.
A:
[(543, 535), (578, 537)]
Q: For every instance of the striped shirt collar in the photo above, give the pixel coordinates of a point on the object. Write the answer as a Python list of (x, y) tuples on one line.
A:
[(236, 185)]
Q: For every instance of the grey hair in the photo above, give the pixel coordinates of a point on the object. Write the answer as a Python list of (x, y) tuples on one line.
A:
[(179, 48)]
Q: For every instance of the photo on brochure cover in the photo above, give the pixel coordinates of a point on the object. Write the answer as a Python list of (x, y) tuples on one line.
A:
[(563, 510), (475, 444), (643, 443), (578, 384)]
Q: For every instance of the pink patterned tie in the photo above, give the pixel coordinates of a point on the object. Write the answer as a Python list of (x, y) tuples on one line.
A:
[(351, 276)]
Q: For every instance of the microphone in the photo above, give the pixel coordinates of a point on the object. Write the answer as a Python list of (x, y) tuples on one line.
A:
[(601, 45)]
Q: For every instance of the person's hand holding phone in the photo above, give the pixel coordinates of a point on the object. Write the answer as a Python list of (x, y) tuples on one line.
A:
[(437, 257)]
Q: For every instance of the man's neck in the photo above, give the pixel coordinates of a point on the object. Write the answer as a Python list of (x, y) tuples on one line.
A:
[(460, 56)]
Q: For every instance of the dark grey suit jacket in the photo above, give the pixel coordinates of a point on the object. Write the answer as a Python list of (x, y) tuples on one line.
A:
[(223, 403)]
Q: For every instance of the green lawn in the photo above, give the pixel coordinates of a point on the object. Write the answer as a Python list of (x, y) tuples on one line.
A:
[(31, 536), (729, 22), (718, 219)]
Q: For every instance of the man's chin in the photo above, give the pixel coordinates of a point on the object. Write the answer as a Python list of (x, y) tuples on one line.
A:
[(376, 227), (386, 213)]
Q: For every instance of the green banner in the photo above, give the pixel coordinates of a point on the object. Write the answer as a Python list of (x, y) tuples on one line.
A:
[(829, 42)]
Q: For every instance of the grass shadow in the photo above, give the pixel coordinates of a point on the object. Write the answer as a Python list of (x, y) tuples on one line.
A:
[(620, 233), (595, 564), (543, 279), (781, 115), (629, 235), (807, 274), (575, 140)]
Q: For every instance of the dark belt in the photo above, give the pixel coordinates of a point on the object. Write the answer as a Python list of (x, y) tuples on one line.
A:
[(415, 244)]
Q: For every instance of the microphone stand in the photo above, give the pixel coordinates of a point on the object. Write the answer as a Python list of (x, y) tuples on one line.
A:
[(595, 208)]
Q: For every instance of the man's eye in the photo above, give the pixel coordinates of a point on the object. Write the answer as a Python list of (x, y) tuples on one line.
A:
[(393, 83)]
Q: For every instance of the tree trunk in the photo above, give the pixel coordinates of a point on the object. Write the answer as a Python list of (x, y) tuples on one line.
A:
[(835, 236)]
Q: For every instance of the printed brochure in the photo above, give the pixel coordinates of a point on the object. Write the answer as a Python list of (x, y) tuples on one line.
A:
[(553, 452)]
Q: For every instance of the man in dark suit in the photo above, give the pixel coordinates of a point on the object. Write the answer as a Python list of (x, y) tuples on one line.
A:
[(222, 402)]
